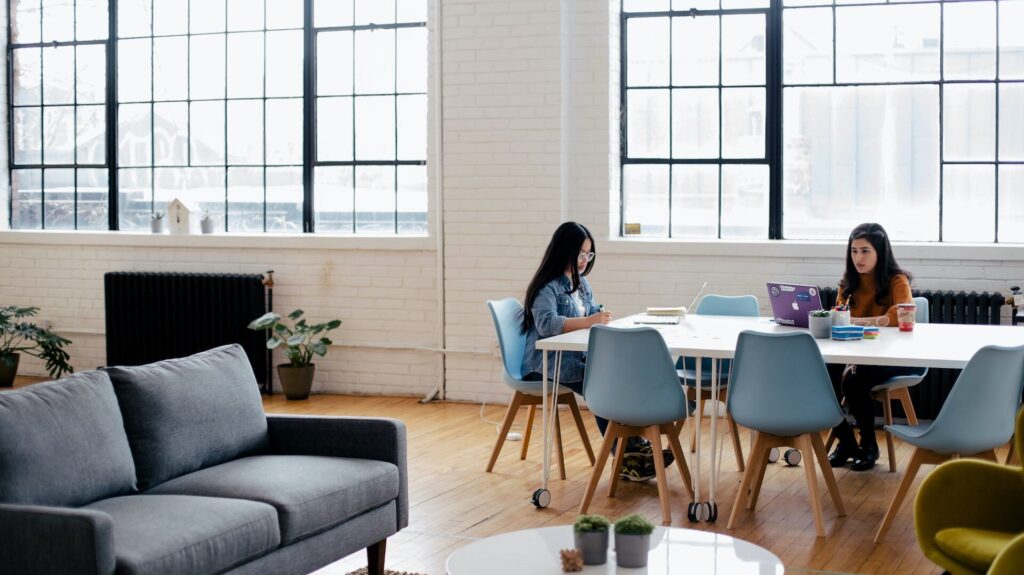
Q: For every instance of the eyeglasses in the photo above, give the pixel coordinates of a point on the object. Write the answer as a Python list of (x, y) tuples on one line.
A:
[(586, 257)]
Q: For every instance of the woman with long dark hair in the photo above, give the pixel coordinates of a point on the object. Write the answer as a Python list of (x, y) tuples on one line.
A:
[(872, 285)]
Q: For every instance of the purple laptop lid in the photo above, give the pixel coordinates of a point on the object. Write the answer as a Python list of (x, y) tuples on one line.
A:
[(791, 302)]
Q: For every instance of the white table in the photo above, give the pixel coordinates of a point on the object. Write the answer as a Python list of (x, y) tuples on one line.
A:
[(703, 336), (673, 550)]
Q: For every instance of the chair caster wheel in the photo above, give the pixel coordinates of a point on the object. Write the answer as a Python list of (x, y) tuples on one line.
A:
[(692, 512), (712, 512), (773, 455), (792, 457), (541, 498)]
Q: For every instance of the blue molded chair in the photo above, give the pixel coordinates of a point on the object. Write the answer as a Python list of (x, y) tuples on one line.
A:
[(512, 342), (713, 304), (631, 382), (977, 417), (781, 389)]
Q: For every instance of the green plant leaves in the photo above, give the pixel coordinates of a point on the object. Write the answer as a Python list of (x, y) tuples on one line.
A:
[(301, 340)]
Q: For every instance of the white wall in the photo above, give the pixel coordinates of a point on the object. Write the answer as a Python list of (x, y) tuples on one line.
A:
[(529, 101)]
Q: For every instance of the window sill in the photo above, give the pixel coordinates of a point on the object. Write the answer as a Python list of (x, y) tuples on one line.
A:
[(240, 241)]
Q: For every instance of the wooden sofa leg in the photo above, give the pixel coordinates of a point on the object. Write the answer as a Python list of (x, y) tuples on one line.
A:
[(375, 557)]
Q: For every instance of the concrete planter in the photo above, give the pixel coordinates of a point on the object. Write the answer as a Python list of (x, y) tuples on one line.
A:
[(594, 545), (631, 550)]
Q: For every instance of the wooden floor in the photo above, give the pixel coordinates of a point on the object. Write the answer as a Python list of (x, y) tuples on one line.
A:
[(453, 501)]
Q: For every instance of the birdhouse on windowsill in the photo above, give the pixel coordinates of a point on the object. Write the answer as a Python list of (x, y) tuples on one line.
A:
[(183, 217)]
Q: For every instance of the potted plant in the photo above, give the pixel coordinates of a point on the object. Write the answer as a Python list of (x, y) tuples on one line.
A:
[(18, 336), (301, 342), (632, 540), (207, 223), (819, 322), (156, 223), (590, 536)]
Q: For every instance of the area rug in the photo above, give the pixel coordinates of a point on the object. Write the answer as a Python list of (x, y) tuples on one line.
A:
[(362, 571)]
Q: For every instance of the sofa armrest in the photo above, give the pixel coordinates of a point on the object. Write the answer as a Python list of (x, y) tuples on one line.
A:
[(356, 437), (54, 540)]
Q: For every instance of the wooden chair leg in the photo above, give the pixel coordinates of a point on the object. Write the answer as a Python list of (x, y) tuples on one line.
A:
[(804, 444), (826, 472), (1011, 456), (889, 442), (989, 455), (602, 457), (375, 557), (757, 455), (677, 451), (831, 433), (510, 416), (575, 409), (920, 456), (558, 442), (736, 446), (908, 406), (620, 454), (526, 433), (653, 433), (761, 467)]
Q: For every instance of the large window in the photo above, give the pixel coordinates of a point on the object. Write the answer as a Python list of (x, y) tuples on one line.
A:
[(215, 102), (909, 114)]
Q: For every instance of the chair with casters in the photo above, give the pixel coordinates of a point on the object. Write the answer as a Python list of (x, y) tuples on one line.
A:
[(631, 381), (512, 343), (712, 304), (780, 388), (896, 389), (976, 418), (982, 531)]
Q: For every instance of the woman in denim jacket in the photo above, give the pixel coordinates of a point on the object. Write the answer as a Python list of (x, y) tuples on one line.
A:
[(559, 300)]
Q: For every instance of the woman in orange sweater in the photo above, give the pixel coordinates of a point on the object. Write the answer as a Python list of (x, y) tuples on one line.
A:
[(872, 285)]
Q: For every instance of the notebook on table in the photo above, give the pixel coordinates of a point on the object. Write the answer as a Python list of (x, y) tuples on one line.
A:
[(792, 302), (667, 315)]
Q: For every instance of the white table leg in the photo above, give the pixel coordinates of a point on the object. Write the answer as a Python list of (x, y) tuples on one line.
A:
[(712, 506)]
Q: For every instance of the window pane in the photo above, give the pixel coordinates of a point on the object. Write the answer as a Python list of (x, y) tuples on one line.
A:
[(743, 118), (333, 191), (285, 14), (170, 68), (695, 51), (412, 200), (1011, 41), (284, 200), (695, 123), (28, 137), (646, 5), (411, 11), (134, 18), (58, 135), (375, 128), (695, 201), (744, 201), (245, 200), (334, 63), (201, 187), (284, 63), (26, 199), (412, 60), (861, 154), (206, 135), (969, 41), (58, 21), (743, 57), (969, 122), (647, 51), (1011, 122), (807, 46), (375, 11), (1011, 204), (91, 24), (135, 192), (375, 62), (91, 75), (645, 198), (91, 135), (59, 199), (968, 204), (25, 22), (375, 199), (334, 129), (245, 14), (687, 4), (887, 43), (171, 134), (647, 123), (284, 132), (206, 67), (58, 68), (27, 76), (736, 4), (206, 16), (170, 17), (333, 13), (133, 69), (93, 200), (245, 132), (412, 127), (245, 65), (134, 135)]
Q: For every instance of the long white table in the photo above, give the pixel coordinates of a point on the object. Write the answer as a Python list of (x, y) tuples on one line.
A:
[(697, 336)]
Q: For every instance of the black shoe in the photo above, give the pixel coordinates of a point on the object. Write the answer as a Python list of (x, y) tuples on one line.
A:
[(865, 458), (843, 453), (647, 451)]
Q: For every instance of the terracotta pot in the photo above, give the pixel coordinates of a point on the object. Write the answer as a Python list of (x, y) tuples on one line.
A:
[(8, 369), (296, 381)]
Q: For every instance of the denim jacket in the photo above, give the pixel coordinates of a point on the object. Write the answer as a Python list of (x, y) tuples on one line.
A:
[(550, 309)]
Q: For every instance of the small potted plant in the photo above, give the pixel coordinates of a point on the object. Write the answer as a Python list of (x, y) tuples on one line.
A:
[(18, 337), (819, 322), (632, 541), (157, 223), (301, 342), (590, 536), (207, 223)]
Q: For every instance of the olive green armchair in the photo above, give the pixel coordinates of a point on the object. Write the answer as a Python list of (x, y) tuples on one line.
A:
[(969, 515)]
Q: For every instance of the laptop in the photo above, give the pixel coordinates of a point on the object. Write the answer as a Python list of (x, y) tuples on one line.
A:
[(666, 315), (791, 302)]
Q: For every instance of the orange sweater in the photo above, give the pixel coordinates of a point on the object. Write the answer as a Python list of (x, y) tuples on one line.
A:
[(864, 305)]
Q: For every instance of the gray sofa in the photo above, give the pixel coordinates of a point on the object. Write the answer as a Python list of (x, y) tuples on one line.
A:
[(174, 468)]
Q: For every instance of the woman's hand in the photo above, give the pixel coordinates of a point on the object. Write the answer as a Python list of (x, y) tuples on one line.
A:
[(602, 317)]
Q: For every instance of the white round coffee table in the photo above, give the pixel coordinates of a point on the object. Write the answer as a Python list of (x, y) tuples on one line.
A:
[(673, 550)]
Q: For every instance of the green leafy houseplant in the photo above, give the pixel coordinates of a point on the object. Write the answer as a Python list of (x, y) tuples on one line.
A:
[(591, 524), (302, 341), (18, 336), (820, 313), (634, 524)]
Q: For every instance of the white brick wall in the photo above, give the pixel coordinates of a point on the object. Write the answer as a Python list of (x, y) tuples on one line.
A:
[(530, 128)]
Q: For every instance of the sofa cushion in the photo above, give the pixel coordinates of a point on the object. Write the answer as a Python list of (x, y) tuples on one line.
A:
[(63, 443), (156, 534), (976, 548), (186, 414), (311, 493)]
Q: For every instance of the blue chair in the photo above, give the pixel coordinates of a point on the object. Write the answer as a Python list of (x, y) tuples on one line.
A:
[(712, 304), (512, 342), (631, 382), (977, 417), (781, 389)]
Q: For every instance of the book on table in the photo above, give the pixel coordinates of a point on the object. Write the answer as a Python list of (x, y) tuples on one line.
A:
[(662, 311)]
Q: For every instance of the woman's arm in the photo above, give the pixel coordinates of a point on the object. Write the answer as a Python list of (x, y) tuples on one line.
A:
[(575, 323), (900, 290)]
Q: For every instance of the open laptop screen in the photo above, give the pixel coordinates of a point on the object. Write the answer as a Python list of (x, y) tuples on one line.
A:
[(792, 302)]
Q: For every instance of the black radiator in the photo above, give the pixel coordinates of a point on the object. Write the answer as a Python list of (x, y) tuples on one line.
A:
[(943, 307), (153, 316)]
